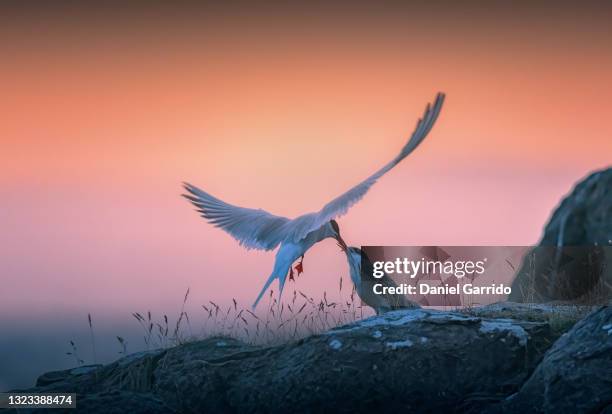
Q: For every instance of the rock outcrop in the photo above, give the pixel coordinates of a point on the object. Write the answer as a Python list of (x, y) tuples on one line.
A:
[(573, 260), (403, 361), (575, 375)]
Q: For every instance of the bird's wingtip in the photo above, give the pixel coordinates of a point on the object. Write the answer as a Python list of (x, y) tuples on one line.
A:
[(191, 198)]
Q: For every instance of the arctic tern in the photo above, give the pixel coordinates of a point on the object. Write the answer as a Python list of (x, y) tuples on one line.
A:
[(258, 229)]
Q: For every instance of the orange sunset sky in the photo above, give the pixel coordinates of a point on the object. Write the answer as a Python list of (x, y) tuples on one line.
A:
[(106, 112)]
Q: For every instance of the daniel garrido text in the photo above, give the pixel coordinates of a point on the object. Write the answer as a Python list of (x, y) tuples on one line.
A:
[(446, 289)]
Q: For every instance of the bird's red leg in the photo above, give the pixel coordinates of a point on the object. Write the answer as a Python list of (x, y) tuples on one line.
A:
[(291, 274), (299, 268)]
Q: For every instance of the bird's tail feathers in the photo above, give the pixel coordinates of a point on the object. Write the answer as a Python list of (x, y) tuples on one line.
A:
[(281, 285)]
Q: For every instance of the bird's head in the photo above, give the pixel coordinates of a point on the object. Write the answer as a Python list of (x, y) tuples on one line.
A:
[(336, 234)]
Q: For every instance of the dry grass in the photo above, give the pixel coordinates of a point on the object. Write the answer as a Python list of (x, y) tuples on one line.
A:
[(298, 316)]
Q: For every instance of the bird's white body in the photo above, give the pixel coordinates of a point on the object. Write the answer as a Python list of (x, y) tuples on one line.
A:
[(381, 303), (258, 229), (289, 252)]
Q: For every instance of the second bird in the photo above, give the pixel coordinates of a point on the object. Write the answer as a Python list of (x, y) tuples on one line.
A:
[(364, 283)]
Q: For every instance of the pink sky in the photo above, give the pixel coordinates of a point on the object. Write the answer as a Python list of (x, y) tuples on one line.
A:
[(100, 130)]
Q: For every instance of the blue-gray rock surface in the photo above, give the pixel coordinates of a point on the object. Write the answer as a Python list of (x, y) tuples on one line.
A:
[(407, 361), (575, 375), (573, 262)]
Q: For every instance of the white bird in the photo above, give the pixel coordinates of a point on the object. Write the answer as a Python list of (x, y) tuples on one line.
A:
[(365, 286), (258, 229)]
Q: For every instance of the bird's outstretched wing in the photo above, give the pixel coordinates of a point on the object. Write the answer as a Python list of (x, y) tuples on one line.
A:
[(258, 229), (303, 225), (252, 228)]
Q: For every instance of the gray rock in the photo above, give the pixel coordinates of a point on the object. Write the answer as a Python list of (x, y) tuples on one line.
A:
[(412, 360), (193, 379), (64, 375), (422, 360), (121, 402), (560, 317), (584, 217), (575, 375), (563, 269)]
